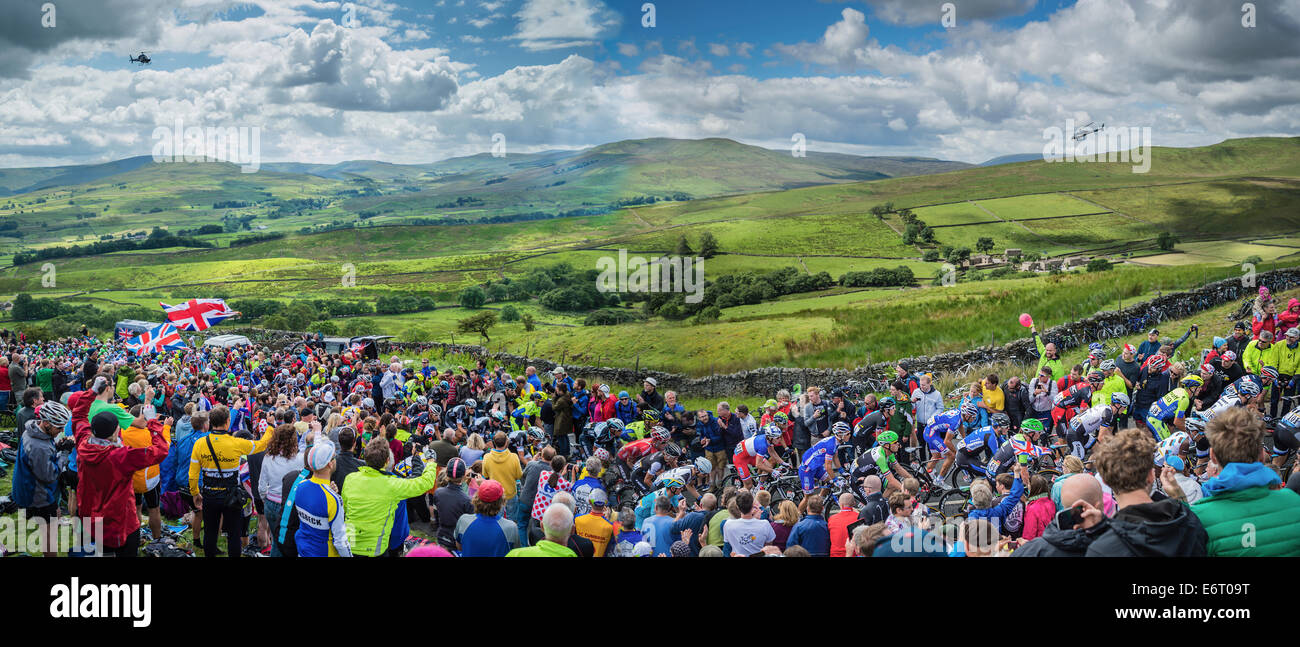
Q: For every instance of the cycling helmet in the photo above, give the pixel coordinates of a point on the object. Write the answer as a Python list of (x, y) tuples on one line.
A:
[(1033, 424), (770, 404), (1108, 365), (1192, 381), (659, 435), (1096, 377), (1157, 363), (772, 431), (703, 465), (471, 403), (1118, 398), (498, 415), (887, 402), (780, 419), (535, 434), (651, 415), (435, 410), (53, 413), (422, 400), (1095, 346), (1248, 389), (1269, 372), (673, 481), (616, 424), (1000, 420), (969, 409), (841, 428), (672, 450), (603, 454), (887, 437)]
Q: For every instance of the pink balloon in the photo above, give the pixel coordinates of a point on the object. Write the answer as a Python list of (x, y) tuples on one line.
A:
[(1026, 320)]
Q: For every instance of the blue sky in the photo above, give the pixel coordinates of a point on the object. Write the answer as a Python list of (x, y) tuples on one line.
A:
[(420, 80)]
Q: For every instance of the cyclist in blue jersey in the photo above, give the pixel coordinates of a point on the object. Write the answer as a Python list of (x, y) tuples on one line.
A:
[(943, 430), (981, 442), (322, 531), (1172, 409), (672, 488), (822, 460)]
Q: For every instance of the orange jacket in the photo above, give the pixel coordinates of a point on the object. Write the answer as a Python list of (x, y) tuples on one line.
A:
[(144, 479)]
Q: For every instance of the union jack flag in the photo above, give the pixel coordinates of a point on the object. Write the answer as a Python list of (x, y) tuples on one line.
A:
[(125, 334), (164, 337), (1023, 446), (198, 314)]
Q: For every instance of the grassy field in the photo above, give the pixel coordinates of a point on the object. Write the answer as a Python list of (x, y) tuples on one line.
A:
[(1226, 202)]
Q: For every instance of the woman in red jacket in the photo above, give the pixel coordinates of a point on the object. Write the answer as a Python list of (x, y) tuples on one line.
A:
[(1290, 318), (1040, 510), (105, 468), (1266, 320)]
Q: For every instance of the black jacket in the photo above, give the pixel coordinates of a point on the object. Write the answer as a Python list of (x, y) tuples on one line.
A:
[(874, 509), (1017, 403), (345, 463), (1162, 529), (451, 502), (1055, 542), (1238, 346)]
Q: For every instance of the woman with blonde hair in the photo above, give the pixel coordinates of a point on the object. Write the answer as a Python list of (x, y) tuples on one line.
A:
[(783, 521), (473, 450)]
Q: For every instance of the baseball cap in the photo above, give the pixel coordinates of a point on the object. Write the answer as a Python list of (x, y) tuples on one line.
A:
[(1230, 355), (1240, 325), (1294, 332), (491, 491), (1128, 348), (559, 370), (598, 498), (455, 468), (651, 381), (604, 388), (1207, 368), (320, 455), (1153, 331), (642, 549)]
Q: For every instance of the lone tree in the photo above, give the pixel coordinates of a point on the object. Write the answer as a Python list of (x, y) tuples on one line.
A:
[(984, 245), (708, 245), (927, 235), (683, 247), (1166, 241), (529, 324), (480, 323), (878, 211), (473, 297), (509, 313)]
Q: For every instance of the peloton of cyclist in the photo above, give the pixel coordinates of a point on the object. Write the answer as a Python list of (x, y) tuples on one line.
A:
[(1068, 403), (982, 441), (1022, 446), (822, 460)]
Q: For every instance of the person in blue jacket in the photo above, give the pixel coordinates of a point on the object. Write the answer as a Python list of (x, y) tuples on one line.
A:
[(982, 499), (625, 408)]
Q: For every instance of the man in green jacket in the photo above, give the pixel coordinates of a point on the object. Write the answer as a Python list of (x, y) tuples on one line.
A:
[(1242, 511), (1047, 355), (125, 376), (371, 497)]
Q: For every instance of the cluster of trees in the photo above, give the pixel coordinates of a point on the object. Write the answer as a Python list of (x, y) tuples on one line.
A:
[(201, 231), (462, 201), (559, 287), (256, 238), (65, 319), (731, 290), (158, 239), (230, 204), (915, 229), (708, 246), (399, 303), (611, 317), (879, 277), (295, 315)]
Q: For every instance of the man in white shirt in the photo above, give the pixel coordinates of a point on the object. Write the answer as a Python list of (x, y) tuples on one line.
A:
[(748, 534)]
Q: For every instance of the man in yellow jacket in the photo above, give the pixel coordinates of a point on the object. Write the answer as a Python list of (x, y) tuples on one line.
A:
[(1258, 353), (1286, 358)]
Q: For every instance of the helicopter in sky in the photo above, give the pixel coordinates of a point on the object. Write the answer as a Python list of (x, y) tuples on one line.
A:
[(142, 59), (1087, 129)]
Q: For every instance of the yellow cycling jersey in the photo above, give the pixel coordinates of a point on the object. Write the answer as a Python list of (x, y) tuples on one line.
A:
[(217, 471)]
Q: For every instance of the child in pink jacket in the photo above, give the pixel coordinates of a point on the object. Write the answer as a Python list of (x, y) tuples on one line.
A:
[(1040, 510)]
